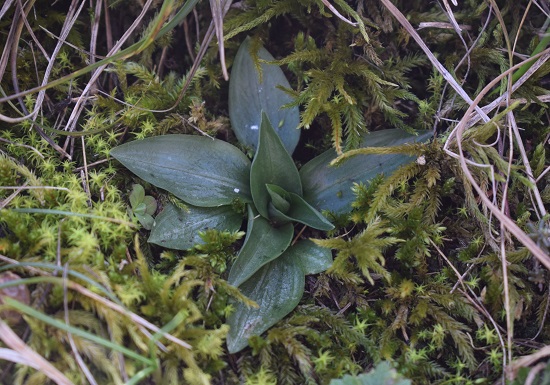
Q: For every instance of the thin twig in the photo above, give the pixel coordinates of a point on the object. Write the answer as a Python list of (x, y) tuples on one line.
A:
[(219, 8), (94, 34), (23, 145), (5, 202), (86, 178), (545, 314), (465, 290), (78, 169), (501, 100)]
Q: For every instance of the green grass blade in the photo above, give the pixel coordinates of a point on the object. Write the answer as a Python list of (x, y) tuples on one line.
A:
[(71, 214), (73, 330)]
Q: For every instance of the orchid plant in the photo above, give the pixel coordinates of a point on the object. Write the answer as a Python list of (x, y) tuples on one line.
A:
[(211, 175)]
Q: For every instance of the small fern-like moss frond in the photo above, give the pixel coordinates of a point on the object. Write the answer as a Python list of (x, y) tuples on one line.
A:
[(366, 248)]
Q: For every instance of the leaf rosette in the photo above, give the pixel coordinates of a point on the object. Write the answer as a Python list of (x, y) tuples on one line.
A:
[(210, 175)]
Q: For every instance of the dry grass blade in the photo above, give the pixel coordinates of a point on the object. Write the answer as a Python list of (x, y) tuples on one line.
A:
[(6, 201), (508, 223), (338, 14), (528, 170), (528, 360), (436, 63), (5, 8), (30, 357), (219, 8), (160, 28), (502, 100), (79, 107), (462, 125), (105, 302), (451, 16), (10, 51), (497, 209), (71, 18), (74, 349)]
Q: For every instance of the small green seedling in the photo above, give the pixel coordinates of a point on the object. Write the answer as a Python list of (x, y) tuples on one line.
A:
[(143, 206)]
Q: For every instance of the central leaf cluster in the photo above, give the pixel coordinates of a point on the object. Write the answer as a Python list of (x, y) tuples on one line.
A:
[(276, 190), (276, 186), (209, 175)]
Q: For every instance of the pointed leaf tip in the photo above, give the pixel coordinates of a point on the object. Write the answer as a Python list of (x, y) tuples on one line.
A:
[(263, 243), (329, 188), (277, 288), (250, 93)]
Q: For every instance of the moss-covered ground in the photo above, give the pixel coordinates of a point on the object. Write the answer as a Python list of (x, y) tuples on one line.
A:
[(441, 268)]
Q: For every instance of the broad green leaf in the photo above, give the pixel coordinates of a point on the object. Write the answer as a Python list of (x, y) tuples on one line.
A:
[(312, 258), (382, 374), (299, 211), (201, 171), (263, 243), (329, 188), (271, 165), (277, 288), (250, 93), (136, 196), (177, 228)]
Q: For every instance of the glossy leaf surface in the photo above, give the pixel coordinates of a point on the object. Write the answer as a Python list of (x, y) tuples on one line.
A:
[(329, 188), (263, 243), (299, 211), (177, 228), (249, 96), (277, 288), (201, 171), (312, 258), (271, 165)]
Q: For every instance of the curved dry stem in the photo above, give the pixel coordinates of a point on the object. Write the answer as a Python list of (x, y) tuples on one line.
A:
[(458, 131), (497, 209), (25, 355), (508, 223), (436, 63)]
